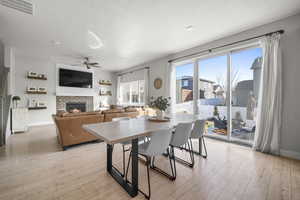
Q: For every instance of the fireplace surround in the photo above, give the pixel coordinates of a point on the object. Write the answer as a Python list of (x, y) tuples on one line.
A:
[(70, 106), (82, 103)]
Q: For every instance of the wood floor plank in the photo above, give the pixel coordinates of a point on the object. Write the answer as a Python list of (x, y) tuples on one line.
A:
[(33, 167)]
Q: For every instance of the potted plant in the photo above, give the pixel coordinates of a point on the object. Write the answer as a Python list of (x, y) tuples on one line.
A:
[(15, 100), (160, 104)]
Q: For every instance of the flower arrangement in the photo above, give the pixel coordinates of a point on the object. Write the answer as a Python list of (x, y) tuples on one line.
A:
[(160, 103)]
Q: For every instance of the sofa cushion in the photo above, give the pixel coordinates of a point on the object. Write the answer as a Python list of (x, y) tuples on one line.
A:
[(109, 116), (116, 107), (130, 109), (113, 111), (66, 114)]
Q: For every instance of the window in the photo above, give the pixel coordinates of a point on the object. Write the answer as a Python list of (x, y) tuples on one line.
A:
[(125, 93), (132, 93), (185, 83)]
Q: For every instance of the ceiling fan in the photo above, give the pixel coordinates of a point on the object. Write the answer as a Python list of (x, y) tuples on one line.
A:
[(89, 64), (86, 62)]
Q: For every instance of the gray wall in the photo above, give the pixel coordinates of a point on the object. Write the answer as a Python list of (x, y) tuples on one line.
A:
[(48, 66), (290, 137)]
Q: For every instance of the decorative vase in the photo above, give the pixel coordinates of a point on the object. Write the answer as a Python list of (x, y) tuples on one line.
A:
[(160, 114)]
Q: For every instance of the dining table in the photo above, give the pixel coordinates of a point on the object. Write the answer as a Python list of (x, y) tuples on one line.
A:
[(131, 130)]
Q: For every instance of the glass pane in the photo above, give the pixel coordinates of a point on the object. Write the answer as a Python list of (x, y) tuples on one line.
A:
[(142, 91), (135, 92), (125, 93), (245, 80), (212, 85), (184, 88)]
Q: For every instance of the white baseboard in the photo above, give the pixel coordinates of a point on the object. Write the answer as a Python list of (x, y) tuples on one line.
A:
[(41, 124), (290, 154)]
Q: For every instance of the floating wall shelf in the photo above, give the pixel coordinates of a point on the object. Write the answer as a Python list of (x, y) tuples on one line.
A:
[(37, 78), (108, 84), (37, 92), (37, 108)]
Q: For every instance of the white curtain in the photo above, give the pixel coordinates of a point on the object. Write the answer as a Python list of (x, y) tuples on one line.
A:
[(170, 87), (269, 114)]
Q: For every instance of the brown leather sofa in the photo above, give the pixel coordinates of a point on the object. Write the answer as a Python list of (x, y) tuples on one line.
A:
[(69, 125), (115, 113)]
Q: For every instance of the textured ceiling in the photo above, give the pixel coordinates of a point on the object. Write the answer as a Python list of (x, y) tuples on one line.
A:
[(132, 31)]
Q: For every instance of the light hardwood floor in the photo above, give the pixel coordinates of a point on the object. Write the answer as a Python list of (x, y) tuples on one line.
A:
[(32, 166)]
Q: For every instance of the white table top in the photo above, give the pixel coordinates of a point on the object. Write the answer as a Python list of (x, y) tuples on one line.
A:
[(121, 131)]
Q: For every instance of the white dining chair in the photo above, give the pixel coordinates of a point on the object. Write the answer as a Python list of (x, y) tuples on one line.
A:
[(198, 133), (180, 137), (157, 144)]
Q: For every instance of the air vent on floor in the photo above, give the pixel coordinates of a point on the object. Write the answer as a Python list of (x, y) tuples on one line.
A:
[(20, 5)]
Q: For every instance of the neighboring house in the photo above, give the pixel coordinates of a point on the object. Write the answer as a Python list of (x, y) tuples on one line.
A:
[(210, 90), (256, 67), (207, 89), (241, 93), (184, 89)]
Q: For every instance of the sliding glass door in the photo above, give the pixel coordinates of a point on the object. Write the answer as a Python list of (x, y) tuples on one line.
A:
[(228, 90), (184, 88), (245, 78), (212, 85)]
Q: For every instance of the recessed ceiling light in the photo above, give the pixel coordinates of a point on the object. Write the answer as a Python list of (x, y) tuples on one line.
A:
[(189, 27), (94, 42)]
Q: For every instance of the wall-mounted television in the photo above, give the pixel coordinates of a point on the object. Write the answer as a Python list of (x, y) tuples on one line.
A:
[(73, 78)]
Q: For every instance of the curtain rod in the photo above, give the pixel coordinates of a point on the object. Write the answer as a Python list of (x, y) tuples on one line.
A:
[(211, 49), (133, 71)]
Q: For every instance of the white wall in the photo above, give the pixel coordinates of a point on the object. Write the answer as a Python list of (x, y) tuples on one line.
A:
[(48, 66), (290, 137)]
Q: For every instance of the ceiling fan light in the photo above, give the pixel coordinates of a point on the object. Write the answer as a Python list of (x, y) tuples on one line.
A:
[(94, 42)]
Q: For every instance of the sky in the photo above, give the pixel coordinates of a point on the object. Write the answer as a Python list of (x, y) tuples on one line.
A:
[(215, 68)]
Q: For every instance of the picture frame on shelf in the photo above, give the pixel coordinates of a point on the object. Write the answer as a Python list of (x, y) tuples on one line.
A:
[(32, 103), (42, 76), (105, 82), (37, 76), (32, 74), (31, 89), (41, 104), (42, 89)]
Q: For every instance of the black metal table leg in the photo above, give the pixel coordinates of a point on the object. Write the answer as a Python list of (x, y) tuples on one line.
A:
[(131, 188), (135, 166)]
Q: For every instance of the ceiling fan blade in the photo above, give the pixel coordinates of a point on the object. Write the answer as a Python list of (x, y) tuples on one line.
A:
[(96, 66), (77, 65), (94, 63)]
